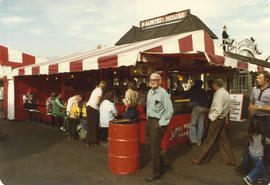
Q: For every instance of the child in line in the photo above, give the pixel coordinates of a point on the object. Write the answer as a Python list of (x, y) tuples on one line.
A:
[(257, 140), (82, 127), (74, 120)]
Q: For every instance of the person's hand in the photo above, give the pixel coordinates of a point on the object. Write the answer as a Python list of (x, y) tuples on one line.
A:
[(252, 108)]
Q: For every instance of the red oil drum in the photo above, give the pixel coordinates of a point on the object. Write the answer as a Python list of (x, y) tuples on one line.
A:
[(124, 147)]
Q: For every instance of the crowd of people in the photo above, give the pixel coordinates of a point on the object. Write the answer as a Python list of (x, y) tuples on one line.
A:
[(89, 116)]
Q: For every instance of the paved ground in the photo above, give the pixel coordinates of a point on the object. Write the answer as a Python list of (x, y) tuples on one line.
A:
[(33, 154)]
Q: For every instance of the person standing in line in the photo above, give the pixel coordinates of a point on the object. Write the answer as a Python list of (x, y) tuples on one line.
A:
[(257, 141), (259, 108), (108, 112), (76, 98), (198, 100), (159, 113), (217, 132), (92, 108), (74, 119), (131, 100)]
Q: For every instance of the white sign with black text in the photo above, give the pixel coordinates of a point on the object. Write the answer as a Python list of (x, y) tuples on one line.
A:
[(236, 106)]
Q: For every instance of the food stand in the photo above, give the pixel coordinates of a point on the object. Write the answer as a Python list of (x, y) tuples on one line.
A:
[(188, 54)]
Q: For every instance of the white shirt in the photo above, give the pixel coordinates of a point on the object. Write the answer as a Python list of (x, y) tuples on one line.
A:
[(70, 103), (1, 93), (93, 98), (107, 111), (220, 106)]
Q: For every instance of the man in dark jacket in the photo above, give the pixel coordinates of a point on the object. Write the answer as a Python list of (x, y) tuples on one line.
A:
[(198, 100)]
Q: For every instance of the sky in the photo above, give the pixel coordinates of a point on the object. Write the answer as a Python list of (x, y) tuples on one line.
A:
[(54, 28)]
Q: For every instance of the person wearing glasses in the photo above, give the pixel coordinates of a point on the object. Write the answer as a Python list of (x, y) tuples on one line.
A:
[(159, 113)]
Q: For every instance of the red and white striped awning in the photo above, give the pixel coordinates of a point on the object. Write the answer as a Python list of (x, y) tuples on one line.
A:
[(128, 54), (11, 58)]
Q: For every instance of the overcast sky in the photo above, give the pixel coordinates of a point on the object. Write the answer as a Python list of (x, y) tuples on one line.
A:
[(53, 28)]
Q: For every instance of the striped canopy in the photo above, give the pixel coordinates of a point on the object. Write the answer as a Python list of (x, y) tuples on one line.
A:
[(196, 42)]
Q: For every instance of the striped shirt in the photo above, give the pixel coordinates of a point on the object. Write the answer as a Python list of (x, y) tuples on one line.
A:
[(261, 98)]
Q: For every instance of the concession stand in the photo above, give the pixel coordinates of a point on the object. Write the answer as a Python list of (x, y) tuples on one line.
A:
[(188, 54)]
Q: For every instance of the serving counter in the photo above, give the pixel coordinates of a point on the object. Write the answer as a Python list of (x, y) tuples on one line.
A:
[(177, 129)]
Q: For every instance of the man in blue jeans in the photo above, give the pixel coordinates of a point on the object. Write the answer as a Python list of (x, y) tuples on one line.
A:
[(198, 100)]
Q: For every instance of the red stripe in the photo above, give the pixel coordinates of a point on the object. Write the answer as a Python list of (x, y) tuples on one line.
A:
[(215, 59), (155, 49), (260, 68), (242, 65), (3, 55), (53, 69), (76, 66), (35, 70), (108, 61), (209, 44), (27, 59), (185, 44), (21, 72)]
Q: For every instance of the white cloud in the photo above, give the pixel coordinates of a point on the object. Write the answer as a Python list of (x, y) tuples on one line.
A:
[(15, 20)]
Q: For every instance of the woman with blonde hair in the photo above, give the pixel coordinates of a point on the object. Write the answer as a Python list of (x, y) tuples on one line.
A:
[(92, 108), (131, 100)]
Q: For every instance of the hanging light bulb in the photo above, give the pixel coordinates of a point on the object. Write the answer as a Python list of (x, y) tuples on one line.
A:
[(47, 78), (207, 74), (72, 76), (114, 72), (56, 78)]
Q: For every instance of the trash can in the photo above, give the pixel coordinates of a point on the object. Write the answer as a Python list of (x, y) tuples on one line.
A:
[(124, 140)]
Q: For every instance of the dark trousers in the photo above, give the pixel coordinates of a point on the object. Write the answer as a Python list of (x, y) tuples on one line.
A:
[(92, 126), (72, 127), (153, 136), (216, 133), (266, 123)]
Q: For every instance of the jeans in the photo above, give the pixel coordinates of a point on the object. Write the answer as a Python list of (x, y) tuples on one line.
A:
[(258, 172), (197, 116), (266, 123)]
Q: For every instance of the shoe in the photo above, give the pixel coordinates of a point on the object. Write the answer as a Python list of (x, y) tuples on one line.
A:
[(247, 181), (195, 161), (260, 181), (63, 129), (152, 178)]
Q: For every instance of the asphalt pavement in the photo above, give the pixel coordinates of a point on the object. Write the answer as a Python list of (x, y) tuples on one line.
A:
[(35, 154)]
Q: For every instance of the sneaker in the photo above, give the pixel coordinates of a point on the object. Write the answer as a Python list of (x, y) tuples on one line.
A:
[(247, 181), (261, 181), (63, 129)]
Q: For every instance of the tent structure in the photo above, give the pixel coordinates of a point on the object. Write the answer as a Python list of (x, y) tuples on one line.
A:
[(10, 59), (197, 46), (191, 43)]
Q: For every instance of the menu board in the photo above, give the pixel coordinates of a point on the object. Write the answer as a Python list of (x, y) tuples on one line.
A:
[(236, 106)]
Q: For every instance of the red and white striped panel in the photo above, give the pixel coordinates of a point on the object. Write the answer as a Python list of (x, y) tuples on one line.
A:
[(14, 58), (129, 54)]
